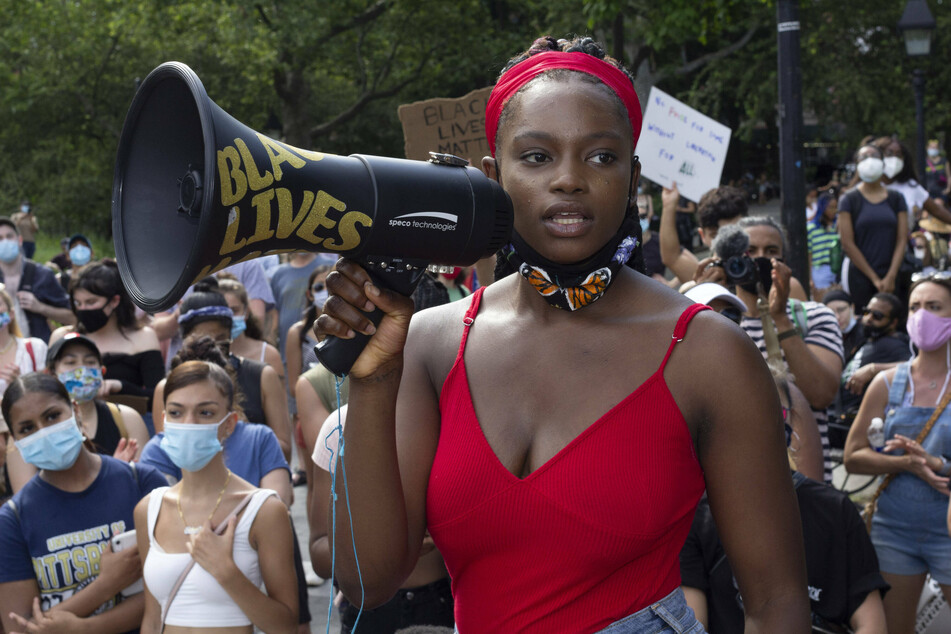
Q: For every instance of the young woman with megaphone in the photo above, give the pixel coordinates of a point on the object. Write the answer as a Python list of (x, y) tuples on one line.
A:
[(492, 422)]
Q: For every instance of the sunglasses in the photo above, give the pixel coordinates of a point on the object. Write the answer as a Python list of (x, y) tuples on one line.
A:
[(876, 314), (935, 275), (732, 313)]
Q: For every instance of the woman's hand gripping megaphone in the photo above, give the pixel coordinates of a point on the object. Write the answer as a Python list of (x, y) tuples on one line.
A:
[(360, 307)]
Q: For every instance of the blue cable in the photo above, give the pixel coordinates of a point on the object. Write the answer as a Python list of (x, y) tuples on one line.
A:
[(333, 510)]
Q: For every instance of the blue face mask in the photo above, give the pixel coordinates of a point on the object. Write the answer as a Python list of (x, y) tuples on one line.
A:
[(82, 383), (9, 250), (5, 318), (645, 224), (80, 255), (238, 326), (192, 446), (54, 448)]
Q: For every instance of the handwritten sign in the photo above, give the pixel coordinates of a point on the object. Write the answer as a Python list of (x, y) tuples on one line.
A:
[(678, 143), (447, 126)]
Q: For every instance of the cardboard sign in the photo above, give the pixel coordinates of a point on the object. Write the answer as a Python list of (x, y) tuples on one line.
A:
[(678, 143), (447, 126)]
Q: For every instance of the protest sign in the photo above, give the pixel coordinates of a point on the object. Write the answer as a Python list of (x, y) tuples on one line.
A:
[(447, 126), (678, 143)]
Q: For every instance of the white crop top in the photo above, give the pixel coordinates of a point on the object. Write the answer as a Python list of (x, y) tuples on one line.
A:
[(201, 601)]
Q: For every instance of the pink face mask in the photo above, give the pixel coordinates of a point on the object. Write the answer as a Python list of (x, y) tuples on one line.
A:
[(928, 331)]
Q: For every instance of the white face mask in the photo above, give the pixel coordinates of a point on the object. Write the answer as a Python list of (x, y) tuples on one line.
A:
[(920, 253), (933, 151), (893, 165), (870, 169)]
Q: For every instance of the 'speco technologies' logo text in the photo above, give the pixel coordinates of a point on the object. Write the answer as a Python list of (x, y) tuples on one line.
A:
[(415, 221)]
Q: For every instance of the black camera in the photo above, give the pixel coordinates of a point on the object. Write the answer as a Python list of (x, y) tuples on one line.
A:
[(740, 269)]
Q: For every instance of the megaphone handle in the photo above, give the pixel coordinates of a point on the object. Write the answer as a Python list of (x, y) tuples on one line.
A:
[(339, 355)]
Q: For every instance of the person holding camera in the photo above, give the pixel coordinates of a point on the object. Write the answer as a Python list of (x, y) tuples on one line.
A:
[(810, 341)]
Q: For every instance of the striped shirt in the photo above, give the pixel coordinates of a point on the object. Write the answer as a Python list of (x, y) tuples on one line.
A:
[(822, 329), (821, 241)]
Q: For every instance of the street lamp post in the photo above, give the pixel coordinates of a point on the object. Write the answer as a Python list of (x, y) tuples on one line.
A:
[(916, 26)]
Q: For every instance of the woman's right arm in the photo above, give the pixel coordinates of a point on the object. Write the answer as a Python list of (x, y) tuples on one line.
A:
[(847, 237), (389, 446), (292, 353), (152, 617)]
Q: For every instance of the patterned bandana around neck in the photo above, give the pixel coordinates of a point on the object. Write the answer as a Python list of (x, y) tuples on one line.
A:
[(574, 286)]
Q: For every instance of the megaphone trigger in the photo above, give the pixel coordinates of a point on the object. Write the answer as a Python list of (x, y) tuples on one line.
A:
[(339, 355)]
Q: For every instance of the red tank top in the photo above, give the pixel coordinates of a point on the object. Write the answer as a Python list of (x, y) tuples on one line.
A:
[(589, 537)]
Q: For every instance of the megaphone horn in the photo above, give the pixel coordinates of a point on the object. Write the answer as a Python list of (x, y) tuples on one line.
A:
[(195, 191)]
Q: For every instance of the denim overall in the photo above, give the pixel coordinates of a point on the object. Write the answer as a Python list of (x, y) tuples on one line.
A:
[(909, 527)]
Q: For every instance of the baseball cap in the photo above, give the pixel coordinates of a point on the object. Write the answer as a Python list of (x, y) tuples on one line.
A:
[(78, 237), (836, 296), (69, 338), (708, 291)]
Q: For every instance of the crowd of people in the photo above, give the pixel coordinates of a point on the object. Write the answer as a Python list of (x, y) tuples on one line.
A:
[(611, 435)]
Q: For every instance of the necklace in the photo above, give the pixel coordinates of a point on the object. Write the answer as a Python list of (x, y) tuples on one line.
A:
[(193, 530), (8, 345)]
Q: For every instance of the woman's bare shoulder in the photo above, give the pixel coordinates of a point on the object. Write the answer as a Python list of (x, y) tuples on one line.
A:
[(143, 339)]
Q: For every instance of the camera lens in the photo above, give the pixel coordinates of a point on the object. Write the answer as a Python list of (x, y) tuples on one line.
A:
[(737, 268)]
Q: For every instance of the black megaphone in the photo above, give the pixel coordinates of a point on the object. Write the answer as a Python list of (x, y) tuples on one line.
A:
[(195, 191)]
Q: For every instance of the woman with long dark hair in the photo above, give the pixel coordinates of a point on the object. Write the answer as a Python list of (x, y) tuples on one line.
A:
[(105, 313)]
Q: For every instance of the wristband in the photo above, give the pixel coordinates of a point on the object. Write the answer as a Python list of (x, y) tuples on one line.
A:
[(786, 334)]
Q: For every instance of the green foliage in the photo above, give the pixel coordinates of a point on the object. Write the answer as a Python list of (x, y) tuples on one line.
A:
[(333, 73)]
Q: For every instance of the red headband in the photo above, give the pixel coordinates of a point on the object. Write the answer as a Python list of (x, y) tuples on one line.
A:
[(523, 72)]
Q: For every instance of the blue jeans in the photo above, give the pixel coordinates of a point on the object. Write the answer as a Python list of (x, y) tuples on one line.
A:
[(670, 614)]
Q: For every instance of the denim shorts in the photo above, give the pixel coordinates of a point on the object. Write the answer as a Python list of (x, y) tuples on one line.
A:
[(670, 614), (914, 548)]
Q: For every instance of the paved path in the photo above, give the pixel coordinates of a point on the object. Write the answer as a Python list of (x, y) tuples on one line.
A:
[(319, 596)]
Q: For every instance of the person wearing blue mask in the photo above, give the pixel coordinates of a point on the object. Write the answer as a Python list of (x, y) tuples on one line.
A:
[(245, 573), (113, 430), (79, 253), (25, 220), (39, 297), (57, 569), (247, 335)]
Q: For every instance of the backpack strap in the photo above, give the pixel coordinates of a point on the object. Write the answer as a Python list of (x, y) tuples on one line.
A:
[(28, 275), (117, 418), (16, 511)]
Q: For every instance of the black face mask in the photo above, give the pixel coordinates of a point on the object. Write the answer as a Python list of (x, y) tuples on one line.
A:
[(92, 320), (875, 332), (765, 267)]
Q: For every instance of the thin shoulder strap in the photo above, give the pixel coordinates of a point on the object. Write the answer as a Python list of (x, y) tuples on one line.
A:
[(469, 318), (681, 329), (218, 531), (896, 392)]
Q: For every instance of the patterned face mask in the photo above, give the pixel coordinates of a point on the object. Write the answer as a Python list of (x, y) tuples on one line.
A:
[(82, 383), (570, 287)]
